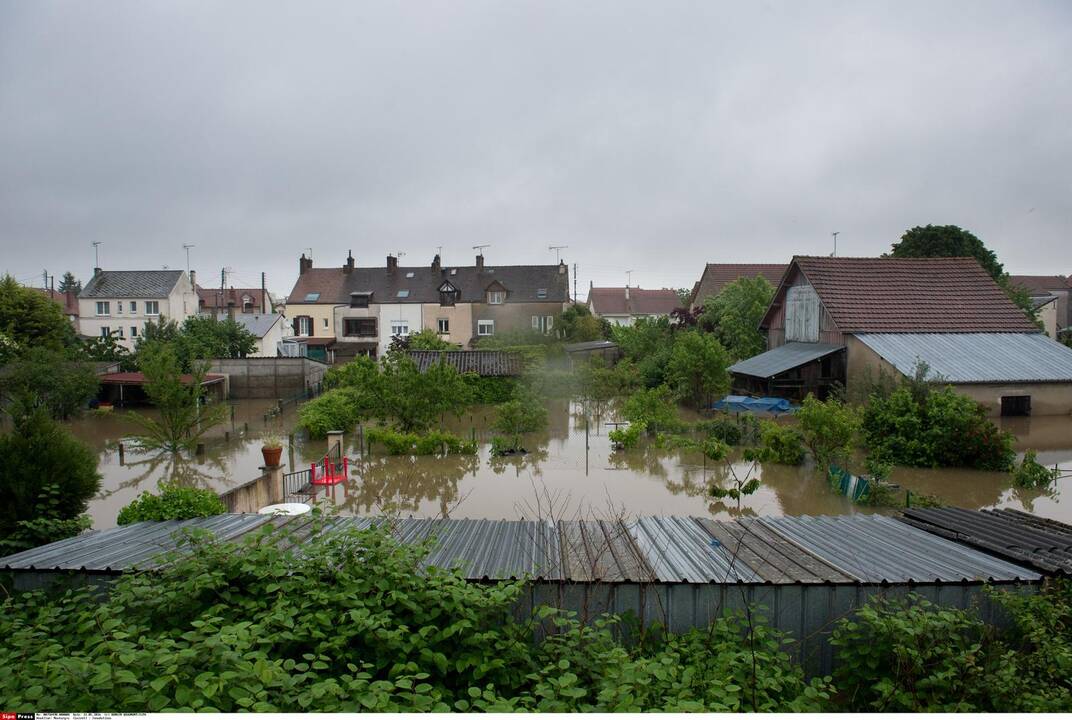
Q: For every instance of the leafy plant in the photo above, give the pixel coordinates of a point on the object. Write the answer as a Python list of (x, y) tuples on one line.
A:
[(735, 313), (722, 429), (740, 486), (40, 377), (829, 429), (430, 443), (696, 368), (780, 444), (172, 502), (339, 409), (1030, 473), (626, 437), (518, 416), (654, 408)]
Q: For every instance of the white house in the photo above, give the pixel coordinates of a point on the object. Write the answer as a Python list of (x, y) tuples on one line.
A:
[(118, 303), (398, 320)]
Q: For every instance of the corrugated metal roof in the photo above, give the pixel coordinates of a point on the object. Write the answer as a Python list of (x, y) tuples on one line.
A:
[(782, 358), (804, 550), (976, 357), (875, 549), (1011, 534)]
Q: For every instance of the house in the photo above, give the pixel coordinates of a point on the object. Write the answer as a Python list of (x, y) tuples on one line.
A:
[(267, 328), (844, 320), (1046, 312), (118, 303), (68, 302), (1042, 286), (245, 300), (718, 275), (624, 306), (341, 312)]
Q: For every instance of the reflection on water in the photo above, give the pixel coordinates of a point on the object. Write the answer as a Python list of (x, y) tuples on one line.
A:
[(570, 468)]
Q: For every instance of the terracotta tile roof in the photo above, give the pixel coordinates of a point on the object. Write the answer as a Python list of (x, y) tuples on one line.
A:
[(917, 295), (612, 301), (1041, 284), (209, 298), (718, 275), (67, 301)]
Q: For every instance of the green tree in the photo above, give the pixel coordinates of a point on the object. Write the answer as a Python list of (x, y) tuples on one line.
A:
[(428, 339), (654, 408), (518, 416), (577, 324), (830, 429), (42, 378), (108, 349), (30, 319), (735, 313), (70, 284), (648, 344), (47, 477), (696, 370), (179, 399), (415, 400)]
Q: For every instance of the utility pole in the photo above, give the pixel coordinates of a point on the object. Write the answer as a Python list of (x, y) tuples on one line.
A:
[(835, 234), (223, 281), (574, 282), (264, 296)]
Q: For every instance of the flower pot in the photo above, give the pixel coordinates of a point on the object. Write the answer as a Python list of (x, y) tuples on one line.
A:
[(271, 455)]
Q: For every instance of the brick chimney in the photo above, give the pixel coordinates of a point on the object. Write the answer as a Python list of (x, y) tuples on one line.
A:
[(304, 264), (230, 308), (480, 262), (193, 279), (392, 264), (349, 266), (627, 293), (435, 263)]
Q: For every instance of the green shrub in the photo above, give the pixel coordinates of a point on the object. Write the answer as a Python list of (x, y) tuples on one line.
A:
[(1030, 473), (918, 426), (723, 429), (490, 390), (655, 408), (519, 416), (626, 437), (696, 368), (339, 409), (44, 378), (780, 444), (357, 622), (829, 429), (430, 443), (174, 502), (47, 477)]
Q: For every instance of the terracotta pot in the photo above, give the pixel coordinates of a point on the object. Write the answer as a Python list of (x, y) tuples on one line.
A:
[(271, 455)]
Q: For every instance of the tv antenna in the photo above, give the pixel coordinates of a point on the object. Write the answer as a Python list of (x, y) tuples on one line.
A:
[(186, 247), (439, 250), (96, 252), (480, 249), (835, 234), (628, 278), (558, 251)]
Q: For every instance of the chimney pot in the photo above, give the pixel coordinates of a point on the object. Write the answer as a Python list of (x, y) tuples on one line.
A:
[(304, 264), (97, 271), (561, 268), (193, 279), (435, 263), (480, 262), (392, 263), (349, 266)]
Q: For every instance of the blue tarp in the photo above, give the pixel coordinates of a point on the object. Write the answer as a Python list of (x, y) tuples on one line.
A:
[(743, 403)]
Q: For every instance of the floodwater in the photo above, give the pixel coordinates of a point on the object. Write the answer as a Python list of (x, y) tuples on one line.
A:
[(559, 478)]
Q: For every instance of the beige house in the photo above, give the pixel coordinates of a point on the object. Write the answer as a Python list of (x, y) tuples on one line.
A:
[(118, 303)]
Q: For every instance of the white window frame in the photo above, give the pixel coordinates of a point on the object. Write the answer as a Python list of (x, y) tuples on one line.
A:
[(133, 307), (399, 328), (106, 306), (543, 323), (305, 326), (133, 331), (485, 328), (152, 307), (105, 331), (496, 297), (120, 331), (119, 308), (443, 326)]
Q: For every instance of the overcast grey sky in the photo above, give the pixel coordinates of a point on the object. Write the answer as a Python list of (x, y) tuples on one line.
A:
[(651, 136)]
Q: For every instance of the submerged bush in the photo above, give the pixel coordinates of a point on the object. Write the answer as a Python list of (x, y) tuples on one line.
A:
[(780, 444), (1030, 473), (356, 622), (626, 437), (430, 443), (722, 429), (655, 408), (339, 409), (829, 429), (174, 502)]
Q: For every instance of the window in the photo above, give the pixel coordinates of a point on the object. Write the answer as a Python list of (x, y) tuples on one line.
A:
[(247, 304), (447, 299), (496, 297), (133, 306), (120, 331), (409, 274), (326, 323), (152, 307), (133, 331), (312, 297), (105, 331), (104, 308), (399, 328), (1015, 405), (485, 327), (541, 293), (303, 325), (359, 300), (403, 293), (543, 323), (119, 308), (443, 326), (359, 327)]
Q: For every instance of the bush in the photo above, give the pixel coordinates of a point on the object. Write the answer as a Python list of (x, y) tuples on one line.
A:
[(780, 444), (431, 443), (43, 378), (696, 369), (626, 437), (357, 622), (829, 429), (1030, 473), (339, 409), (490, 390), (47, 477), (174, 502), (519, 416), (722, 429), (655, 409), (935, 428)]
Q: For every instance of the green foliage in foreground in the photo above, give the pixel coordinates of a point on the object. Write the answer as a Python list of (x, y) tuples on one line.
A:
[(47, 477), (431, 443), (174, 502), (39, 377)]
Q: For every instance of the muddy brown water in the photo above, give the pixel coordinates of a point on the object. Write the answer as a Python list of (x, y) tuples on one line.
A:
[(558, 478)]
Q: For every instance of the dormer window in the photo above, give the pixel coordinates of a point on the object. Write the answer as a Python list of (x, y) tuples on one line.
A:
[(448, 294), (496, 297), (247, 304), (359, 299), (541, 293)]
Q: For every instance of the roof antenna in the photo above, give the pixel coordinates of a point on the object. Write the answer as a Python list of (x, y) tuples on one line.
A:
[(187, 247), (558, 252), (480, 249), (96, 252), (628, 278), (835, 234)]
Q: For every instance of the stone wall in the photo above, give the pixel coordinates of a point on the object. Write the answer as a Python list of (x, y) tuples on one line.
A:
[(269, 378)]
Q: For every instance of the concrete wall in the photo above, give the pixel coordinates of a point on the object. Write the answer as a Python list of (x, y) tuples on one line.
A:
[(267, 378), (460, 317)]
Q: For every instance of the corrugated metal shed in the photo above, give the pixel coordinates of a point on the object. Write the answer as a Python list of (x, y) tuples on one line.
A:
[(782, 358), (876, 549), (1011, 534), (976, 357), (790, 550), (486, 363)]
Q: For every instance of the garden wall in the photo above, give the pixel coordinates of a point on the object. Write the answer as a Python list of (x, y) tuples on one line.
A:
[(270, 378)]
